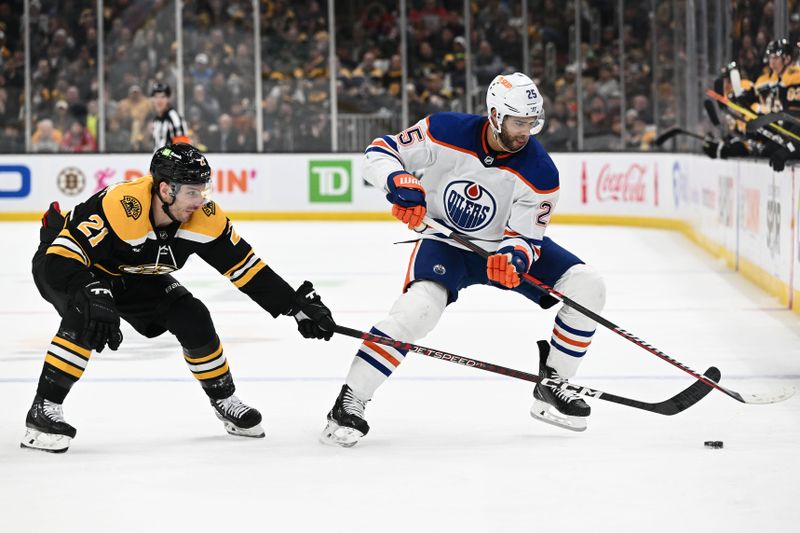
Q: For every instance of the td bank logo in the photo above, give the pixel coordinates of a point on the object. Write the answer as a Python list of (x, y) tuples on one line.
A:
[(330, 181)]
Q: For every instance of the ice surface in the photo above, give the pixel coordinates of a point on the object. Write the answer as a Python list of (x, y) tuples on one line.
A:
[(451, 448)]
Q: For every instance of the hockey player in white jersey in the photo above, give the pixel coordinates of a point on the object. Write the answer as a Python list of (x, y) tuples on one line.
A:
[(488, 178)]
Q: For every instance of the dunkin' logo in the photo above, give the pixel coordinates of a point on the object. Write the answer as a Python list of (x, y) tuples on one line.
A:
[(628, 185), (469, 206)]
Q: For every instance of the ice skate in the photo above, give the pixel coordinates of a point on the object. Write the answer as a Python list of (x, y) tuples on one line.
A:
[(239, 419), (346, 423), (555, 404), (46, 428)]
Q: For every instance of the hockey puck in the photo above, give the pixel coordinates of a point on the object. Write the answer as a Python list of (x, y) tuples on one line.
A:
[(715, 444)]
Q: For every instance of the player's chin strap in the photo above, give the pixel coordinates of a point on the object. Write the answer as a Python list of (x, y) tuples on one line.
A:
[(165, 206)]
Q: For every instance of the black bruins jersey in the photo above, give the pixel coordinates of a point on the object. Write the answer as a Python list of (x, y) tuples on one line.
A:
[(113, 234)]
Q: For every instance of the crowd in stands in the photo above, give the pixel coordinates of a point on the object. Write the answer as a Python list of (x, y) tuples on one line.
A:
[(221, 105)]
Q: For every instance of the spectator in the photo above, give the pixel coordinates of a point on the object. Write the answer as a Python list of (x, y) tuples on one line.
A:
[(46, 138), (245, 137), (11, 141), (207, 105), (221, 137), (201, 72), (487, 64), (77, 139), (61, 118), (117, 139)]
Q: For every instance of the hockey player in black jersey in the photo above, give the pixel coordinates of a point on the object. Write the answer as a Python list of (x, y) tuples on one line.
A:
[(111, 258)]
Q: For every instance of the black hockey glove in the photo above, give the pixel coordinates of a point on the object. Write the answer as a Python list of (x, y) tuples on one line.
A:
[(711, 148), (314, 319), (94, 303), (779, 158)]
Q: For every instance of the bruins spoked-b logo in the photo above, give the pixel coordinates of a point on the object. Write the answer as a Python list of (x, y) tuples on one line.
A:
[(132, 206), (71, 181), (469, 206)]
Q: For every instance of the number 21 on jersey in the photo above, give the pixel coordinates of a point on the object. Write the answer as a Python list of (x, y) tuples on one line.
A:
[(95, 223)]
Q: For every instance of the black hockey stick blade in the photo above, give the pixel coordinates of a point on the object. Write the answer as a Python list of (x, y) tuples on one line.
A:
[(711, 111), (680, 402), (691, 395)]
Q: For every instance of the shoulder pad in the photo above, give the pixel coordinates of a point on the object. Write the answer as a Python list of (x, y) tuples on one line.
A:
[(791, 76), (457, 130), (535, 168), (206, 224), (126, 206)]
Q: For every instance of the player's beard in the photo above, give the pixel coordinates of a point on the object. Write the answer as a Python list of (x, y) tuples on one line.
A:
[(512, 144)]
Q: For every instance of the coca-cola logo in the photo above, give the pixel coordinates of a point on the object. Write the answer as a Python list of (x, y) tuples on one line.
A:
[(622, 186)]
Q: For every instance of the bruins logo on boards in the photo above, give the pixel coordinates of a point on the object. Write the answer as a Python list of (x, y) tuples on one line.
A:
[(209, 209), (152, 268), (132, 206)]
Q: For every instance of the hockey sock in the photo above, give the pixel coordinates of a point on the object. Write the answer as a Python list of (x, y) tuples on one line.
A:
[(568, 345), (413, 315), (64, 364), (209, 366), (373, 364), (573, 331)]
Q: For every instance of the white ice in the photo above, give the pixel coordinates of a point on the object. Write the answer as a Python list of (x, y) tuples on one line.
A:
[(451, 448)]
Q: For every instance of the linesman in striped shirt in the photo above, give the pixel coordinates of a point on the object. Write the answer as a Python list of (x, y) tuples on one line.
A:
[(112, 257), (168, 125)]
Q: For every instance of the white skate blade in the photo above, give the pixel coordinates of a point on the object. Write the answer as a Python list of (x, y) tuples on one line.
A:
[(47, 442), (547, 413), (336, 435), (256, 432)]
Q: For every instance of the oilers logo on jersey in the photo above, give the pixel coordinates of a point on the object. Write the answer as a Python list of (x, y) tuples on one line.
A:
[(468, 205)]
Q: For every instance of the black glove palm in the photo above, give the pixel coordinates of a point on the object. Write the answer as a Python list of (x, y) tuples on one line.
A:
[(314, 319), (95, 304)]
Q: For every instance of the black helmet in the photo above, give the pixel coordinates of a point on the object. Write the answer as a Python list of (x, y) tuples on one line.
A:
[(778, 47), (161, 88), (181, 164)]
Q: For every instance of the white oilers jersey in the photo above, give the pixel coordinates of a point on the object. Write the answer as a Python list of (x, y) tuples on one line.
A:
[(499, 199)]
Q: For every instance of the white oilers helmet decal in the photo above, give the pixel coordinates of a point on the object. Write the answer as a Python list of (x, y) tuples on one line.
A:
[(515, 95)]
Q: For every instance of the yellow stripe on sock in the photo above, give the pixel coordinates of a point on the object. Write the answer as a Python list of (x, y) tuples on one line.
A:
[(64, 367), (72, 346), (205, 358)]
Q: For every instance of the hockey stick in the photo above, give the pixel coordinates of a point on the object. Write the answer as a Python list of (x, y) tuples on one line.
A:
[(769, 135), (769, 118), (674, 405), (672, 132), (749, 115), (546, 289)]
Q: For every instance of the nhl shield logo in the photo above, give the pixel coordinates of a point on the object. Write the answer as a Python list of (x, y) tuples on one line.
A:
[(469, 205), (132, 206)]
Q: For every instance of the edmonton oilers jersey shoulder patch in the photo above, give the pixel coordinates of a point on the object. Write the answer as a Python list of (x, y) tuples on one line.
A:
[(469, 206)]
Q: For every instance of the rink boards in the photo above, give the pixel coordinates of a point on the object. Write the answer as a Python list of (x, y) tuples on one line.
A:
[(741, 211)]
